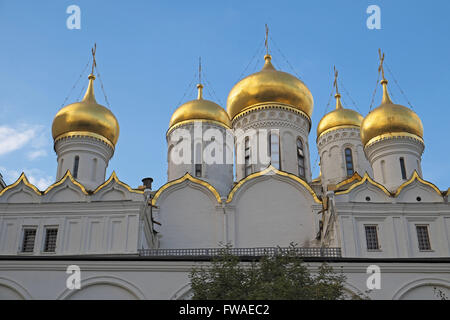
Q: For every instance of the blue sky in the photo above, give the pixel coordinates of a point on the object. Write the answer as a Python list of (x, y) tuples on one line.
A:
[(147, 55)]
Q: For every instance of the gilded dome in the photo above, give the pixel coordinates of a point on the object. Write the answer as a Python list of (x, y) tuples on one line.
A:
[(339, 117), (200, 109), (390, 119), (86, 118), (269, 85)]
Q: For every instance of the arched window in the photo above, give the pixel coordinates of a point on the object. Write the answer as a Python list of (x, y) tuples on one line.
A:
[(403, 168), (274, 150), (349, 161), (76, 163), (247, 154), (300, 158)]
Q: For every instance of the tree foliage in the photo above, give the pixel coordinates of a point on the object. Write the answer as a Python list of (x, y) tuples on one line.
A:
[(273, 277)]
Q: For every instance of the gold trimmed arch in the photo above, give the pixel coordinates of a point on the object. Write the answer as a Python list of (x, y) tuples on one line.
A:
[(187, 176), (116, 179), (362, 181), (277, 172), (414, 177), (22, 178), (354, 177), (69, 176)]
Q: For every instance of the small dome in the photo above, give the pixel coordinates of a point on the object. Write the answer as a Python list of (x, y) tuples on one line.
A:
[(86, 118), (390, 118), (340, 117), (269, 85), (200, 109)]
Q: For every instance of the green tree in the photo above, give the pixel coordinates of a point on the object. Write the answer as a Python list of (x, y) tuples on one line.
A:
[(273, 277)]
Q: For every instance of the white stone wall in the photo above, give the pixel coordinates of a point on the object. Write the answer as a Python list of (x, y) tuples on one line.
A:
[(93, 228), (384, 155), (220, 173), (271, 211), (94, 157), (146, 279), (331, 146), (190, 217), (291, 125)]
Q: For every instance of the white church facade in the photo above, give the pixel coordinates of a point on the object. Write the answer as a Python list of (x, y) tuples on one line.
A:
[(240, 176)]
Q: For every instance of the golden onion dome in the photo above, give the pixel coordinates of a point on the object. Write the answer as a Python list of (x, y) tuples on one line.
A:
[(338, 118), (86, 118), (200, 109), (269, 85), (390, 120)]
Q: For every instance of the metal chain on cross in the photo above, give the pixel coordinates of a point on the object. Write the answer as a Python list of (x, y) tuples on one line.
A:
[(260, 46), (95, 67), (76, 83), (396, 82), (347, 93), (285, 59), (380, 71)]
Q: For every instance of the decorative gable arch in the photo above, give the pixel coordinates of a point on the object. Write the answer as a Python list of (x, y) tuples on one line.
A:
[(21, 191), (416, 189), (275, 173), (187, 179), (366, 190), (65, 190), (114, 189)]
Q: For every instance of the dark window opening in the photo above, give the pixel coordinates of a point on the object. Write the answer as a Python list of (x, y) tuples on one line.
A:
[(29, 235), (50, 239), (423, 238), (349, 161), (198, 170), (403, 168), (372, 238), (248, 166), (75, 166), (300, 158)]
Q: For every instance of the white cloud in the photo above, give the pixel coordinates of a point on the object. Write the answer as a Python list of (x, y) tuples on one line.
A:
[(36, 154), (34, 137), (36, 176), (12, 139)]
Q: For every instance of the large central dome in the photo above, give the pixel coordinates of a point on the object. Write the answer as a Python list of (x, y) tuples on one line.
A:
[(269, 85)]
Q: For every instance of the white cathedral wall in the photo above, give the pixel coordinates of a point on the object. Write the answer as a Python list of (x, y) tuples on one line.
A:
[(93, 154), (147, 279), (332, 145), (267, 116), (83, 228), (396, 226), (384, 155), (218, 173), (190, 217), (271, 211)]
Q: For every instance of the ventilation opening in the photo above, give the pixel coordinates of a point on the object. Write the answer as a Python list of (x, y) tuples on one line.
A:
[(367, 198)]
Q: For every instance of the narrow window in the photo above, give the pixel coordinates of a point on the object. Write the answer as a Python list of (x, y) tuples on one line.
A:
[(198, 160), (349, 161), (403, 168), (383, 170), (198, 170), (60, 173), (248, 166), (274, 150), (372, 238), (29, 235), (50, 239), (94, 169), (300, 158), (423, 238), (75, 166)]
